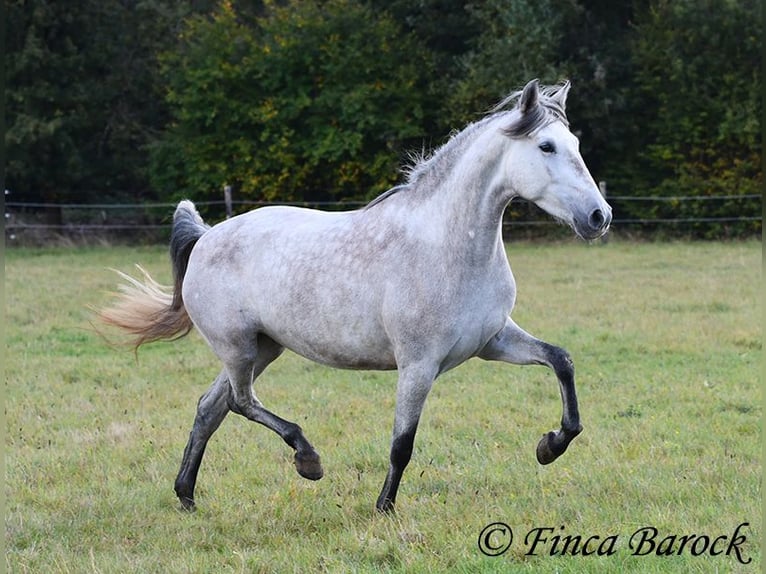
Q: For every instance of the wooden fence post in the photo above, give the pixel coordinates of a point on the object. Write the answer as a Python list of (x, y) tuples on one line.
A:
[(227, 200), (602, 189)]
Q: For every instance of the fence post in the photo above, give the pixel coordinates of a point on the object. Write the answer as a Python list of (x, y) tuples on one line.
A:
[(227, 200), (602, 189), (7, 217)]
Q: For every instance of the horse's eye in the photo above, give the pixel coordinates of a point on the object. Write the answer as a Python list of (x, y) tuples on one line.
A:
[(547, 147)]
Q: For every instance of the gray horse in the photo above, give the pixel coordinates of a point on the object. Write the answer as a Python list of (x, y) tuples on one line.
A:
[(416, 281)]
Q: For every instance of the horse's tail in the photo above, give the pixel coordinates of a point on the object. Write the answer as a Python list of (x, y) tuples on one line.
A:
[(147, 310)]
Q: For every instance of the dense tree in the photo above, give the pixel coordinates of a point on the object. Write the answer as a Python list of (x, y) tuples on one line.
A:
[(596, 56), (316, 102), (517, 43), (446, 30), (697, 96), (310, 100), (83, 94), (443, 27), (699, 69)]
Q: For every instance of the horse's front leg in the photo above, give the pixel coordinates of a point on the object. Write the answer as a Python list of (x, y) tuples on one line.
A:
[(414, 383), (514, 345)]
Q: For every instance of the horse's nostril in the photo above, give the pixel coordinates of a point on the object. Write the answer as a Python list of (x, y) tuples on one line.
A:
[(597, 219)]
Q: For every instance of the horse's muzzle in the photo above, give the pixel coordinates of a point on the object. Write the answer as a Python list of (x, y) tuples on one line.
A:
[(596, 224)]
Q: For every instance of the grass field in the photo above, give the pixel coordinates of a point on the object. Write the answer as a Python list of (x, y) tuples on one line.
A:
[(667, 344)]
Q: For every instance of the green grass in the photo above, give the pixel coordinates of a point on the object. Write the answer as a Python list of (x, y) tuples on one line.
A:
[(667, 345)]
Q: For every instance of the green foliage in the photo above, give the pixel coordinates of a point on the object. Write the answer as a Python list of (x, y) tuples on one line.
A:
[(43, 117), (443, 27), (518, 42), (83, 98), (699, 77), (595, 47), (318, 101), (447, 30), (310, 100)]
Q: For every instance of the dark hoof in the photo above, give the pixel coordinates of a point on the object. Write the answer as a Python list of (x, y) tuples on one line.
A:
[(309, 465), (545, 454), (187, 504), (385, 506), (554, 444)]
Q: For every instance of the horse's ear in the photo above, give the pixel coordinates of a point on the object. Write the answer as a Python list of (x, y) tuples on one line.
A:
[(529, 97), (560, 95)]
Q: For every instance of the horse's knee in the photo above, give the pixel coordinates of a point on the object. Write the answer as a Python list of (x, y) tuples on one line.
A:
[(561, 362)]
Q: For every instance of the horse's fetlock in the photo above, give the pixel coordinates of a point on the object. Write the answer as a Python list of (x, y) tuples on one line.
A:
[(386, 506), (294, 435), (574, 430)]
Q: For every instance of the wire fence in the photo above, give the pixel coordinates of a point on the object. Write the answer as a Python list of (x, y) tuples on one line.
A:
[(38, 223)]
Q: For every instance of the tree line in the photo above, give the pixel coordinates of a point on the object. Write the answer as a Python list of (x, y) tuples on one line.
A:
[(318, 100)]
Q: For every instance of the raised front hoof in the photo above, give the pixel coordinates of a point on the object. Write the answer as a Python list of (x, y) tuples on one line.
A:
[(309, 465), (554, 444)]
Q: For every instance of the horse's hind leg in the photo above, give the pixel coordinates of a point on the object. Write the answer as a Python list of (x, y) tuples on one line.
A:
[(514, 345), (216, 403), (307, 461), (212, 408), (242, 400)]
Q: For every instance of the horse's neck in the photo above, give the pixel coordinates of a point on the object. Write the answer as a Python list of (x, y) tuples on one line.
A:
[(465, 203)]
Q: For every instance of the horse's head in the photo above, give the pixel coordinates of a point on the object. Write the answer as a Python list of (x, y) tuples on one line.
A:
[(546, 167)]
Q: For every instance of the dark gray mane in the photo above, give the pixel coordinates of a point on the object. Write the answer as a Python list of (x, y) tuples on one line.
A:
[(549, 109), (385, 195)]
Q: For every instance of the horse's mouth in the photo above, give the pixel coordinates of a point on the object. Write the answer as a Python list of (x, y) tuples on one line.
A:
[(595, 225), (588, 233)]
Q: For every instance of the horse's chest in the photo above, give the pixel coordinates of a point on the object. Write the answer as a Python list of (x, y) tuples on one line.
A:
[(466, 316), (489, 293), (483, 311), (472, 325)]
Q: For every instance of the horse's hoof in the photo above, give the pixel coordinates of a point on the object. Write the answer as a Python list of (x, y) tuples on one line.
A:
[(187, 504), (545, 454), (554, 444), (386, 506), (309, 465)]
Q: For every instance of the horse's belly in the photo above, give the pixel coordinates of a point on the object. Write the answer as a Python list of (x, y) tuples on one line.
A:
[(343, 357), (332, 340), (328, 321)]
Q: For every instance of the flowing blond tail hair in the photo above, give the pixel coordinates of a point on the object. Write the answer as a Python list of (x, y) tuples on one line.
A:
[(145, 311), (148, 311)]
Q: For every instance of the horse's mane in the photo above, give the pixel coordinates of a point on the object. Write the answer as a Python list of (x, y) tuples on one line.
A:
[(548, 110), (385, 195)]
